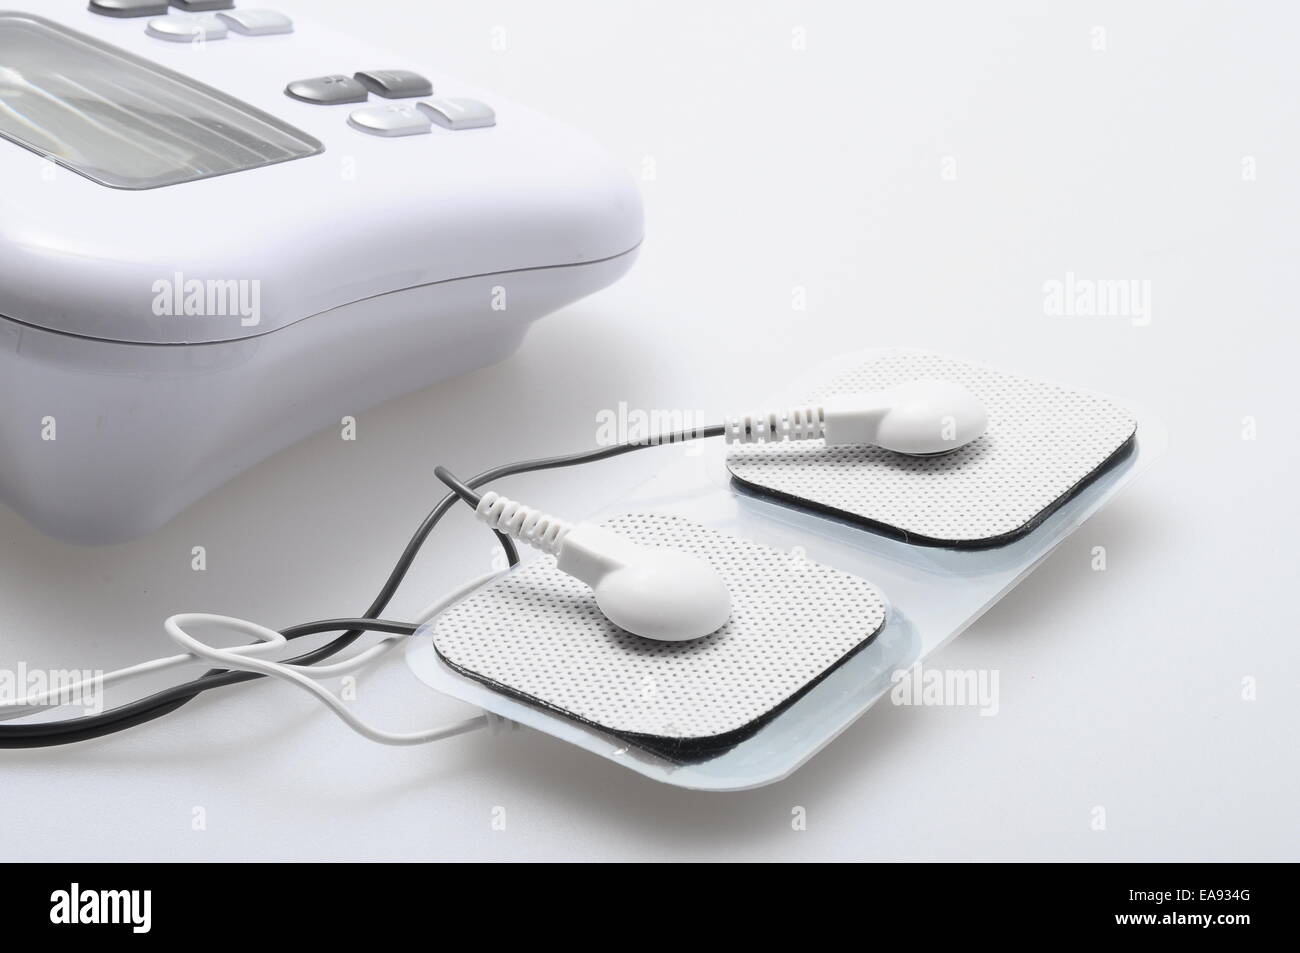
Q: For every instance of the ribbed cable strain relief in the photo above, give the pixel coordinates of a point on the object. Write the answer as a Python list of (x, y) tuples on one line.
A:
[(523, 523), (798, 423)]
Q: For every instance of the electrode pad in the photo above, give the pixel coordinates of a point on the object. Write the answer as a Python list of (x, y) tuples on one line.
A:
[(795, 670), (536, 633), (1044, 442)]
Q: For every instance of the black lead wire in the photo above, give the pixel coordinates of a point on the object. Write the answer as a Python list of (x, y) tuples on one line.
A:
[(68, 731), (466, 493)]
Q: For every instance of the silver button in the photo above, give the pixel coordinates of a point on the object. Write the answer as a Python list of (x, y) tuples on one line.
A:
[(257, 22), (327, 90), (459, 113), (395, 83), (391, 120), (183, 29), (202, 6), (129, 8)]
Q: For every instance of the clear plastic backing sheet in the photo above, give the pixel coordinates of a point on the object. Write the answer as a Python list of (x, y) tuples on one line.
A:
[(932, 594)]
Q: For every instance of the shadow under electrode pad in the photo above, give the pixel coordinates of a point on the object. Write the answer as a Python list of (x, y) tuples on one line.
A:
[(1044, 442), (536, 633)]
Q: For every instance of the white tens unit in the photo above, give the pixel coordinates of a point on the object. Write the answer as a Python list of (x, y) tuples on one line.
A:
[(222, 229)]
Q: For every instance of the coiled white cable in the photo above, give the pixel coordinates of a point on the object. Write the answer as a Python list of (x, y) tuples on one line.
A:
[(36, 704), (243, 658), (40, 703)]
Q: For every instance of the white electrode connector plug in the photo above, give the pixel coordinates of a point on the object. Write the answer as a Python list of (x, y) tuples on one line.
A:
[(920, 418), (654, 593)]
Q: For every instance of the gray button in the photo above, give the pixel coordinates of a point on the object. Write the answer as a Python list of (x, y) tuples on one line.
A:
[(257, 22), (391, 120), (395, 83), (201, 6), (459, 113), (183, 29), (129, 8), (327, 90)]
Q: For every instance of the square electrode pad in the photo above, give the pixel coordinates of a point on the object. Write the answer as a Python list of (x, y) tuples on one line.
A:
[(537, 634), (1044, 442)]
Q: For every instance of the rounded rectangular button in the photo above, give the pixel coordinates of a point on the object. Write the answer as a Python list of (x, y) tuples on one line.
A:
[(129, 8), (257, 22), (459, 113), (327, 90), (395, 83), (202, 6), (180, 28), (392, 120)]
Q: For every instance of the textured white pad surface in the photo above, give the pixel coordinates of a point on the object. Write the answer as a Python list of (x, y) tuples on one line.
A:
[(537, 632), (1043, 441)]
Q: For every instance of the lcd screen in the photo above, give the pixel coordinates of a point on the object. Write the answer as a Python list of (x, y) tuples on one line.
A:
[(123, 121)]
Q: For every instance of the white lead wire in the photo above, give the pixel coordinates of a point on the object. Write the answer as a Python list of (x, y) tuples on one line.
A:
[(34, 704), (302, 676)]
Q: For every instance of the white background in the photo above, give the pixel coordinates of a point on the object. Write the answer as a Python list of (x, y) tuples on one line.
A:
[(776, 168)]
